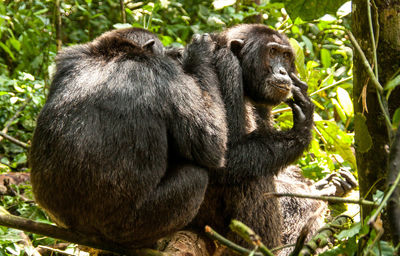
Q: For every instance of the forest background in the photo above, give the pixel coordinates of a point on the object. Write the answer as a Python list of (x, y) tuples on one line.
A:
[(355, 119)]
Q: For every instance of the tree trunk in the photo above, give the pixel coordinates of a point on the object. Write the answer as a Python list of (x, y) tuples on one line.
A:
[(371, 140)]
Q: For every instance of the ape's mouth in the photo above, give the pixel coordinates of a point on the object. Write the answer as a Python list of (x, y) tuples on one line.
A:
[(282, 87)]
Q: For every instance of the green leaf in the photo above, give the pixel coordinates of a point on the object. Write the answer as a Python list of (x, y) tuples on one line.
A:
[(354, 230), (13, 100), (345, 101), (316, 103), (7, 49), (308, 44), (325, 58), (339, 141), (312, 9), (396, 118), (385, 249), (41, 12), (15, 43), (393, 83), (299, 61), (362, 138), (339, 110)]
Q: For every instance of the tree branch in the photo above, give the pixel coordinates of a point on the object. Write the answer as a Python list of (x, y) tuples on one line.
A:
[(15, 116), (332, 199), (58, 24), (250, 236), (27, 225), (224, 241), (14, 140), (123, 14)]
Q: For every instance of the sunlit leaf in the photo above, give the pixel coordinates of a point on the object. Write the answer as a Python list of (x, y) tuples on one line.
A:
[(299, 61), (219, 4), (13, 100), (339, 141), (354, 230), (393, 83), (316, 103), (122, 25), (309, 45), (345, 101), (339, 110), (325, 58)]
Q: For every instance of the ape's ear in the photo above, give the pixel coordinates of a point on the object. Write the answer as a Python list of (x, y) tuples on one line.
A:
[(149, 45), (236, 46)]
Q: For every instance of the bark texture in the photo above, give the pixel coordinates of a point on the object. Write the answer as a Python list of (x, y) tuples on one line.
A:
[(372, 159)]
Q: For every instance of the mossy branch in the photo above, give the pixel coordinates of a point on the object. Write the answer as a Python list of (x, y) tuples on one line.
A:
[(224, 241)]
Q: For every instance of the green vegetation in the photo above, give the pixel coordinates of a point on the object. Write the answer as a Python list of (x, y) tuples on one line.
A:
[(317, 31)]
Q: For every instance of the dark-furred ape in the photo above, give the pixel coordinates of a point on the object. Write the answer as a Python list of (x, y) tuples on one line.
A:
[(255, 67), (124, 141)]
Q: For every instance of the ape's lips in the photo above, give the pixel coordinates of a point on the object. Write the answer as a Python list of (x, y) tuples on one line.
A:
[(283, 87)]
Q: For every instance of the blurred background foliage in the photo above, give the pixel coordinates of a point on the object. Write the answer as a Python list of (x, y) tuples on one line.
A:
[(28, 47)]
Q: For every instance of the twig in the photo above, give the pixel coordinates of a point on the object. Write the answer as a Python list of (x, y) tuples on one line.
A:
[(58, 24), (386, 198), (250, 236), (123, 14), (375, 82), (14, 193), (224, 241), (282, 247), (55, 250), (365, 62), (332, 85), (371, 30), (325, 198), (15, 116), (281, 110), (59, 246), (14, 140), (28, 225)]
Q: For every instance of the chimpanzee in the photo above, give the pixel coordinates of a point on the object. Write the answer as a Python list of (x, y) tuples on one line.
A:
[(124, 141), (256, 70)]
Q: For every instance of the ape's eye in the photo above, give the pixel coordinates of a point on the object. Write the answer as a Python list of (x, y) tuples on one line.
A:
[(272, 51), (287, 55)]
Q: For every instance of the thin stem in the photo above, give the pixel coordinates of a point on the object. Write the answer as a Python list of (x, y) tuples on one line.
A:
[(332, 85), (249, 236), (371, 30), (14, 140), (365, 62), (386, 198), (325, 198), (123, 14), (378, 86), (224, 241)]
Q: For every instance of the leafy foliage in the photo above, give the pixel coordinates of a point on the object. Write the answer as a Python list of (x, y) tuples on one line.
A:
[(312, 9), (323, 59)]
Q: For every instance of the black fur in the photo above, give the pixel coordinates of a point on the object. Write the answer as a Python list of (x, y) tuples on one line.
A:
[(253, 79), (122, 144)]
